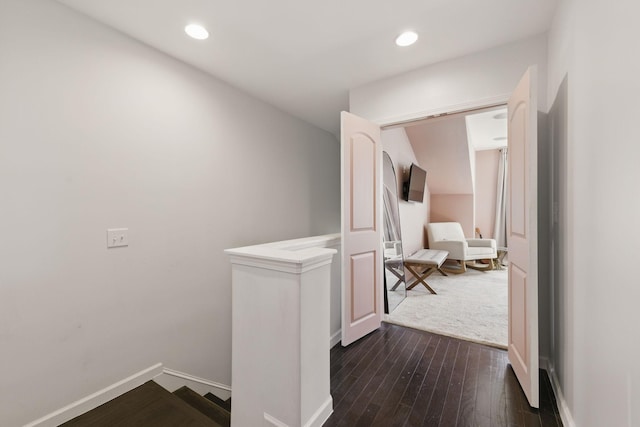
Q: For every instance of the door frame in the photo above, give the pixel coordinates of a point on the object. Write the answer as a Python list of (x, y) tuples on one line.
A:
[(475, 106)]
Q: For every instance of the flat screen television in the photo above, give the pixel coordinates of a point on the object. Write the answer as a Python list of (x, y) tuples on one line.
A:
[(413, 188)]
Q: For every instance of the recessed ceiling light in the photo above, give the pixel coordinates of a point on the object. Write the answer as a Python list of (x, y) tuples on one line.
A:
[(500, 116), (196, 31), (407, 38), (500, 138)]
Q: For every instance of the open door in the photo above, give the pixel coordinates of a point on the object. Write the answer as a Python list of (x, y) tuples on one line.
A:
[(522, 234), (362, 268)]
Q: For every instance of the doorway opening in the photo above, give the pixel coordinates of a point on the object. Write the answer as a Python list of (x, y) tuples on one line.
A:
[(461, 152)]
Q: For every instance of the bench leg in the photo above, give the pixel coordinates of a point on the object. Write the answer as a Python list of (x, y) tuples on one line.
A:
[(421, 276)]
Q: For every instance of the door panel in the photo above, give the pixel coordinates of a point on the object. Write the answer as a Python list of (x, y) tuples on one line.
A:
[(363, 298), (517, 301), (363, 174), (522, 232), (362, 302)]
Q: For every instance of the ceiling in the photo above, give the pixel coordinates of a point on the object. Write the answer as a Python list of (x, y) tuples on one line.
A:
[(303, 56), (487, 130)]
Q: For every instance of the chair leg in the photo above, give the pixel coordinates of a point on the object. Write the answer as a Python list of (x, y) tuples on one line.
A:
[(462, 269), (487, 268)]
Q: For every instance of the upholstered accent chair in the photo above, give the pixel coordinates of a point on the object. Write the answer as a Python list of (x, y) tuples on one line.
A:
[(448, 236)]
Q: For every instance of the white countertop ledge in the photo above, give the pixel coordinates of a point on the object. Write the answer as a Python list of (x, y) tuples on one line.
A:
[(291, 256)]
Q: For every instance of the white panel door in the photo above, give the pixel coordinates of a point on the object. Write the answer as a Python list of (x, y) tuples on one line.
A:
[(361, 177), (522, 235)]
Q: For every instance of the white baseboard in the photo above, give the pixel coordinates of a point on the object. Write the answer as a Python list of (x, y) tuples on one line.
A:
[(96, 399), (544, 363), (317, 419), (335, 338), (563, 407), (322, 414), (270, 421), (173, 380)]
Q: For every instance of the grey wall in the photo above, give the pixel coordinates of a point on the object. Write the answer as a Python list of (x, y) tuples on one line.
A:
[(593, 82), (99, 131)]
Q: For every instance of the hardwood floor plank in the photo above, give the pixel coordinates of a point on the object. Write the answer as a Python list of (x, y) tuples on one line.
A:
[(387, 372), (344, 369), (530, 416), (344, 358), (515, 416), (401, 415), (483, 392), (345, 397), (344, 354), (342, 391), (469, 388), (516, 400), (414, 386), (453, 396), (370, 412), (340, 354), (404, 377), (396, 391), (498, 392), (434, 413), (374, 342), (426, 392)]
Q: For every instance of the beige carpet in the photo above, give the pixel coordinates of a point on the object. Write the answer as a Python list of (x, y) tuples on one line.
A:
[(471, 306)]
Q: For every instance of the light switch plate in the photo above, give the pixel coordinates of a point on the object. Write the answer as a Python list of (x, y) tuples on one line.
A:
[(117, 237)]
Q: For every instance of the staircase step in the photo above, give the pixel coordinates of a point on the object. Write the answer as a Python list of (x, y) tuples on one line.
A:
[(149, 405), (217, 413), (226, 404)]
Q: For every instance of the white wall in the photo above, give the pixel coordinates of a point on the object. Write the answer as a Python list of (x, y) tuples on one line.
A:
[(593, 79), (474, 80), (413, 216), (99, 131)]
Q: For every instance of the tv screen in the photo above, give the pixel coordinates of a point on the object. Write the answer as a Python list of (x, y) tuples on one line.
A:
[(414, 187)]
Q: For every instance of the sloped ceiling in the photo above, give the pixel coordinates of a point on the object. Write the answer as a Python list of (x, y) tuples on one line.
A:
[(443, 146), (487, 130)]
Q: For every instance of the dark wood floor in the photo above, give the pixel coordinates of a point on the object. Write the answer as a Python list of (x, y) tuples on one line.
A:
[(146, 406), (404, 377)]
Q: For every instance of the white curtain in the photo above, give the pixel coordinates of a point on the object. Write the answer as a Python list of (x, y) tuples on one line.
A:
[(500, 226)]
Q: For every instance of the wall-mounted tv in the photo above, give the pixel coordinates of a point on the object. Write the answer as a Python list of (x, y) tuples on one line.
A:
[(413, 188)]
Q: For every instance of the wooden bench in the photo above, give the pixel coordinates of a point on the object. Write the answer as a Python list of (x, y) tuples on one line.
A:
[(424, 262)]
